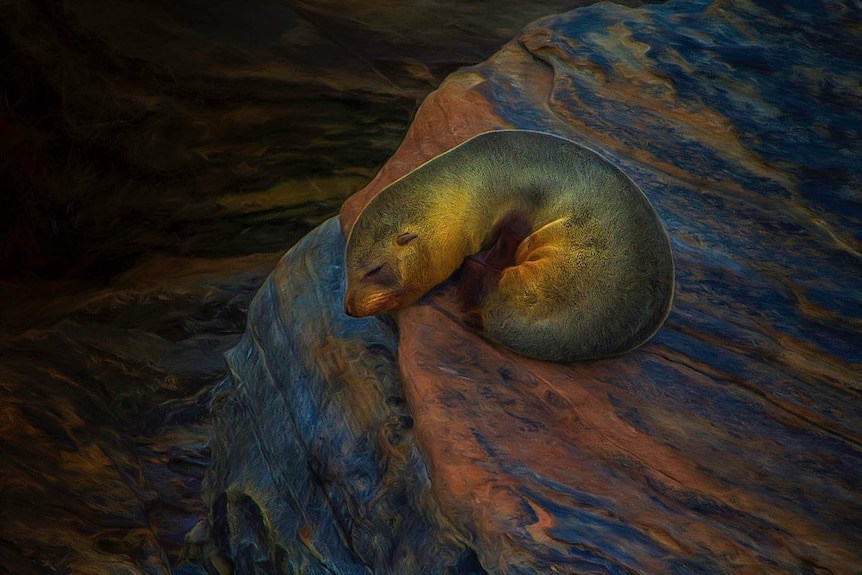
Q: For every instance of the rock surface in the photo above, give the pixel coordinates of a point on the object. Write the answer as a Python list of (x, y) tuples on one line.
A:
[(314, 467), (730, 443), (156, 161)]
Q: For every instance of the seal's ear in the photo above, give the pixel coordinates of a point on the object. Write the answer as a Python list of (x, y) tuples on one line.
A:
[(406, 238)]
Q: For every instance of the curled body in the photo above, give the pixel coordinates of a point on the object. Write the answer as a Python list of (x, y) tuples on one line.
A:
[(589, 272)]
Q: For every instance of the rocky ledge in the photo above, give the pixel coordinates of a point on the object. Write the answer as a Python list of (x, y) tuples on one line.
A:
[(730, 443)]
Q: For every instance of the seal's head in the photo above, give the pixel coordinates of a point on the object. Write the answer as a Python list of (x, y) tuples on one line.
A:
[(377, 268), (397, 251)]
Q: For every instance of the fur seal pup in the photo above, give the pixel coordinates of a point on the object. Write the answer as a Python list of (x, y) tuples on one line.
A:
[(578, 263)]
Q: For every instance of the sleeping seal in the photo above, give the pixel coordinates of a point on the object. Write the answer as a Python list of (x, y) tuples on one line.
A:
[(579, 264)]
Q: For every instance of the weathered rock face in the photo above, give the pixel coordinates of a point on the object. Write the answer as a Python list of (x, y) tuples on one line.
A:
[(314, 468), (730, 443), (156, 161)]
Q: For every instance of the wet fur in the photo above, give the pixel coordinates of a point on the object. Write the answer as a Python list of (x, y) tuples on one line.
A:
[(576, 263)]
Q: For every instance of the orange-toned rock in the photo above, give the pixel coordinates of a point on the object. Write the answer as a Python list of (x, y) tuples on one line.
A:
[(730, 443)]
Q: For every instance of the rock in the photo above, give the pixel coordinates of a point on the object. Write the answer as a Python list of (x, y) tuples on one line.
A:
[(730, 443), (155, 164), (314, 465)]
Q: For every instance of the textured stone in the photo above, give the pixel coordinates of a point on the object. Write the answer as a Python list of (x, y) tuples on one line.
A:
[(727, 444), (156, 161)]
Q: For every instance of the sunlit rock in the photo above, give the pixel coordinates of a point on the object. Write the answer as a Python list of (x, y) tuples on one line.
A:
[(727, 444)]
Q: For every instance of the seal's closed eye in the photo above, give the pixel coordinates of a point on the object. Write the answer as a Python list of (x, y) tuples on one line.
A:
[(373, 272)]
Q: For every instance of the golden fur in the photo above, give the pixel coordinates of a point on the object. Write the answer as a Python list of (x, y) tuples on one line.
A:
[(593, 277)]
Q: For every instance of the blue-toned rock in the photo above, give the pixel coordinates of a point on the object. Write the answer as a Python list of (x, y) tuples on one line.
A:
[(730, 443)]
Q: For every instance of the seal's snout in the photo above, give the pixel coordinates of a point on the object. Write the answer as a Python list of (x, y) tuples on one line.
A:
[(367, 301), (351, 301), (350, 306)]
